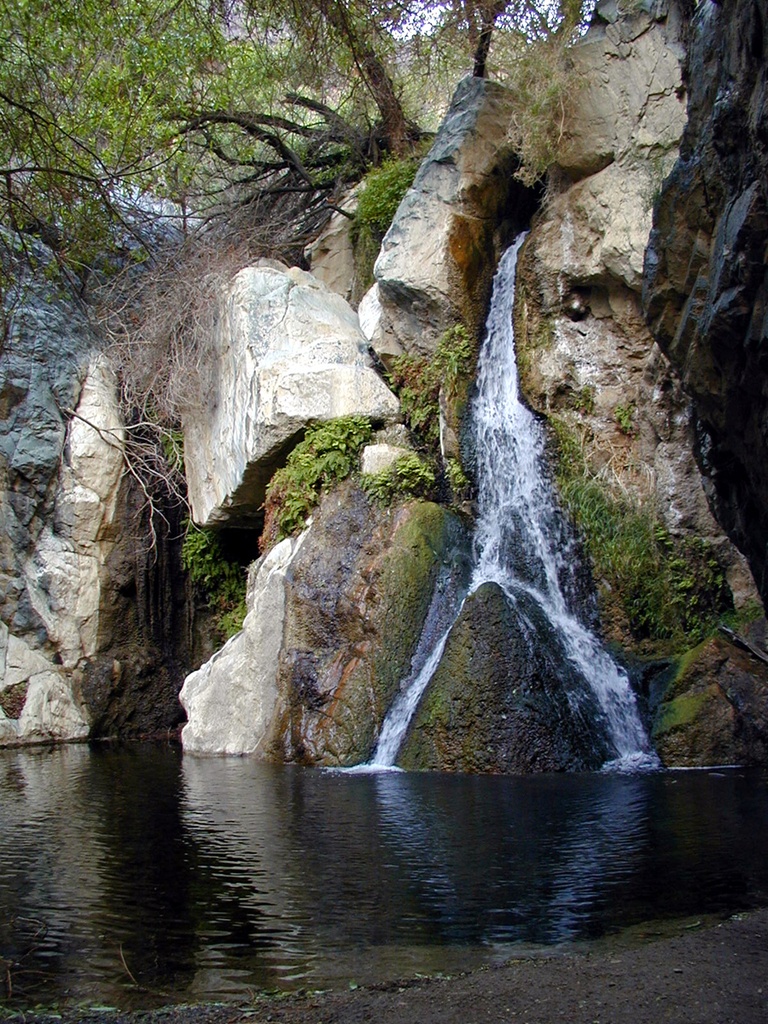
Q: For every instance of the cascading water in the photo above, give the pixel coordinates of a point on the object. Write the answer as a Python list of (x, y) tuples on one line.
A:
[(522, 542)]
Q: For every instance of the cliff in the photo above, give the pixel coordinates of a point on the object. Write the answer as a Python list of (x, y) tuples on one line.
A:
[(705, 283)]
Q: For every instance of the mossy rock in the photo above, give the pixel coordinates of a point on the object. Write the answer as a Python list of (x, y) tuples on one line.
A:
[(714, 709), (360, 591), (504, 699)]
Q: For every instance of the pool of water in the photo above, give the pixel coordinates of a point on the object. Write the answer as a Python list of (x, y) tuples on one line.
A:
[(134, 876)]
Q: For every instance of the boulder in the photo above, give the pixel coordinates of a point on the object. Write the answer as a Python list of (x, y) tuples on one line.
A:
[(334, 619), (714, 709), (230, 701), (437, 258), (503, 698), (378, 457), (287, 353)]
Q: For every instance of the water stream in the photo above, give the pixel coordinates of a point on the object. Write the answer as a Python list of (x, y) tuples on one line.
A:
[(523, 543)]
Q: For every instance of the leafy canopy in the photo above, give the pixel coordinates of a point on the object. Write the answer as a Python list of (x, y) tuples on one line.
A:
[(103, 103)]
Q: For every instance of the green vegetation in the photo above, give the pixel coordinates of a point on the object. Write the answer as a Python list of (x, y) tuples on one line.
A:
[(418, 380), (665, 590), (409, 477), (382, 191), (222, 583), (457, 478), (624, 415), (327, 455)]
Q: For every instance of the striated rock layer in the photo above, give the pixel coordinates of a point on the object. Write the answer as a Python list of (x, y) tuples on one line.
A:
[(706, 283), (287, 353)]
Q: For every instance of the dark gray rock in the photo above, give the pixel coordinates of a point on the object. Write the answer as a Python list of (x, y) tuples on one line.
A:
[(504, 697), (705, 281)]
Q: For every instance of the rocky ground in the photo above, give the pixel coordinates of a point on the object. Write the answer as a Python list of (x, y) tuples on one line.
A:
[(701, 975)]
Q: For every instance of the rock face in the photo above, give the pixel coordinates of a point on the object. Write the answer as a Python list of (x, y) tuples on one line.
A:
[(331, 256), (706, 285), (437, 259), (287, 353), (714, 710), (78, 656), (585, 353), (334, 618), (502, 699)]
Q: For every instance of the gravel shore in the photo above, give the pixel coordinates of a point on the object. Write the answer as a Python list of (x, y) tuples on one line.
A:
[(716, 974)]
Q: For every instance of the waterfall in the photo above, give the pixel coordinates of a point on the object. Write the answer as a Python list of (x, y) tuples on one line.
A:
[(522, 542)]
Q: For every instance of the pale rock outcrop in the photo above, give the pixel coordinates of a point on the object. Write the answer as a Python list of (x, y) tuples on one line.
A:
[(378, 457), (623, 127), (287, 353), (64, 573), (331, 256), (587, 356), (61, 575), (436, 260), (231, 701)]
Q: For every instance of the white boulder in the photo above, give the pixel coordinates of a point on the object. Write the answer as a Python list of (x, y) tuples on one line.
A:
[(287, 353)]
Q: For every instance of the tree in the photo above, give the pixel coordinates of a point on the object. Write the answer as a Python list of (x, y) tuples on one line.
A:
[(244, 102)]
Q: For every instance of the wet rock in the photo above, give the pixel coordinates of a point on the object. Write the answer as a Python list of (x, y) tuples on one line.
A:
[(333, 621), (503, 698), (77, 573), (705, 279)]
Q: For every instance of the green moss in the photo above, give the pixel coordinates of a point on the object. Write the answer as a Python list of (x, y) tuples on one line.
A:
[(666, 590), (679, 712), (406, 585), (383, 191)]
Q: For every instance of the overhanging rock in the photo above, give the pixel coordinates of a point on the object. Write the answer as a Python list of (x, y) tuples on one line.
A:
[(287, 353)]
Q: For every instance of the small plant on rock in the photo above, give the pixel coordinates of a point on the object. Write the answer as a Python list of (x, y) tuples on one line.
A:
[(409, 477), (327, 455), (221, 582)]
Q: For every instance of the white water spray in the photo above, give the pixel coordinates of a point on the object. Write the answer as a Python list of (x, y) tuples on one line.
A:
[(521, 540)]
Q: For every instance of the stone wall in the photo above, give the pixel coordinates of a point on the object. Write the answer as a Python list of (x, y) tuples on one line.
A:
[(706, 284), (81, 652)]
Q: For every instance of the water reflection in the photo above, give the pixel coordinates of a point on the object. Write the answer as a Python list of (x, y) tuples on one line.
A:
[(209, 878)]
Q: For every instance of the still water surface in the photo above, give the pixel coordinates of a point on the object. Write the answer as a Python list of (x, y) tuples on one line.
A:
[(213, 878)]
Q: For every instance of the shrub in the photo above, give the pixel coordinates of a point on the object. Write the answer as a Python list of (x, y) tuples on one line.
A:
[(222, 582), (382, 192), (328, 454)]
